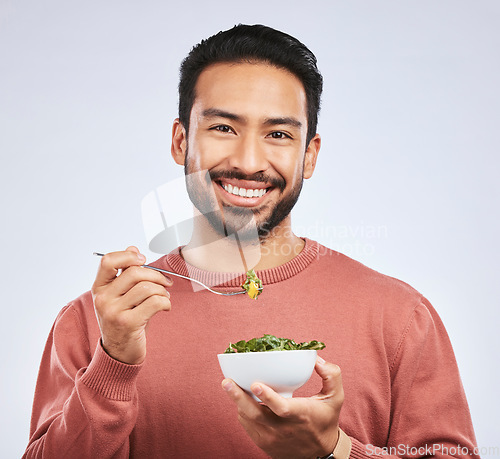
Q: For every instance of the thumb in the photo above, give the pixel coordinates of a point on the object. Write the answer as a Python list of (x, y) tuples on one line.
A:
[(133, 248), (331, 376)]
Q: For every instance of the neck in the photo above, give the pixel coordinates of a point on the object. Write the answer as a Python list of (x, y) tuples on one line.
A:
[(208, 251)]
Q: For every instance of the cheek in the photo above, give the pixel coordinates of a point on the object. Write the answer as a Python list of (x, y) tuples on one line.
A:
[(289, 166), (207, 152)]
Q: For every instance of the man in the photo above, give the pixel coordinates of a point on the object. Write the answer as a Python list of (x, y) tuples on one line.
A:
[(132, 380)]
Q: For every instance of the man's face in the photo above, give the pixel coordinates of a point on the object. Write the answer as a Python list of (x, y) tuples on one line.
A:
[(248, 128)]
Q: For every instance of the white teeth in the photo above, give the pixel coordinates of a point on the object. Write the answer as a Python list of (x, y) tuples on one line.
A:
[(247, 193)]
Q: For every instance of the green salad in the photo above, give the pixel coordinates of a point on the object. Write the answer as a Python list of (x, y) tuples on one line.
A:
[(272, 343), (252, 285)]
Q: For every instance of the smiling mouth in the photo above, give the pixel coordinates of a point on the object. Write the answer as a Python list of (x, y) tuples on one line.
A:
[(244, 192), (251, 193)]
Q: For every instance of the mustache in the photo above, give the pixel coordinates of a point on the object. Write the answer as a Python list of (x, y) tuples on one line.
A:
[(276, 182)]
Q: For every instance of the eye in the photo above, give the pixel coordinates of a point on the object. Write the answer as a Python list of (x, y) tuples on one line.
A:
[(279, 135), (222, 128)]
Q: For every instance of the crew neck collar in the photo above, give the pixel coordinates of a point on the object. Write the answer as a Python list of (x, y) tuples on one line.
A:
[(280, 273)]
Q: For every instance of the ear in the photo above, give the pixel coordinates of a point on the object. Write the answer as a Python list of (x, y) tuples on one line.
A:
[(311, 156), (179, 142)]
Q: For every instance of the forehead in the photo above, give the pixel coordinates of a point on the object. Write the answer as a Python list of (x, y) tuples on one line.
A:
[(254, 90)]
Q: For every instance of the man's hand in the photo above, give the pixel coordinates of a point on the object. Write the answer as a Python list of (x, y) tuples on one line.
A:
[(124, 303), (293, 427)]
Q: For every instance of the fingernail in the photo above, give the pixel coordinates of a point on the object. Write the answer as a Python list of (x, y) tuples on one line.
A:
[(141, 257), (256, 389), (168, 293), (321, 360), (227, 385)]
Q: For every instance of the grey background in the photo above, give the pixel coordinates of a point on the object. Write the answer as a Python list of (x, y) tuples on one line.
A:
[(407, 179)]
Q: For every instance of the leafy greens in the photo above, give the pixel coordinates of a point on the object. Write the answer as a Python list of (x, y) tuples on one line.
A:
[(252, 285), (272, 343)]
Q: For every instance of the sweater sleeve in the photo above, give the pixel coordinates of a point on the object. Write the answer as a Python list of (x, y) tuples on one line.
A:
[(429, 412), (85, 405)]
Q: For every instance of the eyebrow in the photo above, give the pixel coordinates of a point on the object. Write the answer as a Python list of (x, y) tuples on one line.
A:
[(217, 113), (287, 120)]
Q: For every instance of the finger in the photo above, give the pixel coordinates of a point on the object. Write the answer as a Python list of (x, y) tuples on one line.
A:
[(248, 408), (135, 274), (149, 307), (279, 405), (114, 261), (331, 376), (140, 292)]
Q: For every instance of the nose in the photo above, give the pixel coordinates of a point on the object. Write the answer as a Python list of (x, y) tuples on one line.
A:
[(249, 155)]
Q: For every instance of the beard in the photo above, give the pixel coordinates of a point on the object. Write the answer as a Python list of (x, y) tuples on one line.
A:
[(250, 224)]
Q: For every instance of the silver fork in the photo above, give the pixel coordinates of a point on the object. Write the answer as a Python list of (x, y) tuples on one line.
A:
[(185, 277)]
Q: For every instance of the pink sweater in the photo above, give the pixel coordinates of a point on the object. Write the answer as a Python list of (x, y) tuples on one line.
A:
[(401, 382)]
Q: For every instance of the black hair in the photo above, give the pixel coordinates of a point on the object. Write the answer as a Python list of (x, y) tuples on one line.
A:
[(252, 43)]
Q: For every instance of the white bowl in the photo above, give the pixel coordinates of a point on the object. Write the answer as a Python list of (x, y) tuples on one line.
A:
[(283, 371)]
